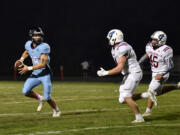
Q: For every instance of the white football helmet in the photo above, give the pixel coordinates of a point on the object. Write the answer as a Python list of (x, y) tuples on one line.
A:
[(160, 36), (115, 36)]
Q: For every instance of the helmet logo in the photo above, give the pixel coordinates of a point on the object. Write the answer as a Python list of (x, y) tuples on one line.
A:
[(111, 34), (161, 36)]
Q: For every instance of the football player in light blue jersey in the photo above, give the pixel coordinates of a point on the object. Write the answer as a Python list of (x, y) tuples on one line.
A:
[(41, 72)]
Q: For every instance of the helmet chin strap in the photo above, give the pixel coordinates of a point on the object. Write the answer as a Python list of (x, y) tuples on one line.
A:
[(156, 46), (114, 42)]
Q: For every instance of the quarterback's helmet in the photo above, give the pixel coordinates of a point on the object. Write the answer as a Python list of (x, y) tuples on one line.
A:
[(115, 36), (160, 36), (36, 31)]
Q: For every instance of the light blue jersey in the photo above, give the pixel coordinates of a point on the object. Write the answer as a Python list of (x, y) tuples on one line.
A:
[(38, 76), (35, 54)]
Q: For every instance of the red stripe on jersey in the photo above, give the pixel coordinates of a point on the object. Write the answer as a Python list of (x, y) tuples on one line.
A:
[(165, 49)]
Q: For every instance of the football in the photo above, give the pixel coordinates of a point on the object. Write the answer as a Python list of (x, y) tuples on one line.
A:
[(18, 64)]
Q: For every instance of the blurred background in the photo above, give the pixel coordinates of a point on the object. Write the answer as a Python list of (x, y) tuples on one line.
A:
[(76, 31)]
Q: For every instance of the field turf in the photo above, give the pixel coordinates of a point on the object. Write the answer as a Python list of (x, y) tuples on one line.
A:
[(87, 109)]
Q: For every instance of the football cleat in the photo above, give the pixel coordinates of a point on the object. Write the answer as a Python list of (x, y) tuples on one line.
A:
[(139, 120), (56, 113), (41, 103), (146, 114)]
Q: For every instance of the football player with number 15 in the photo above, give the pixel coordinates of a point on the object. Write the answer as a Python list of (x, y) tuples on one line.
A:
[(161, 60)]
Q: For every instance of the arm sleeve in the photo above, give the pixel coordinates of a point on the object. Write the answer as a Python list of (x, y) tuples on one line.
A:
[(27, 45), (45, 49), (124, 50)]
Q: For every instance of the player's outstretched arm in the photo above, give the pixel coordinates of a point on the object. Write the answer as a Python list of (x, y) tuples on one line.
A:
[(143, 58), (116, 70)]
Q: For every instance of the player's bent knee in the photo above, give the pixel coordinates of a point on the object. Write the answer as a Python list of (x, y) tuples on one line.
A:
[(123, 96), (121, 100), (25, 91)]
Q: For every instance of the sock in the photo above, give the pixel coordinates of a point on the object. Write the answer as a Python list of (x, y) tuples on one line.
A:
[(148, 110), (138, 116), (55, 107), (39, 97), (144, 95)]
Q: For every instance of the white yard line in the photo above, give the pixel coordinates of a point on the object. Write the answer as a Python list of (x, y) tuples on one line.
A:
[(100, 128), (70, 99), (79, 111), (62, 100), (65, 112)]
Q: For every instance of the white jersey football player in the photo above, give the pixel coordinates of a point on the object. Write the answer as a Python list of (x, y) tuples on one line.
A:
[(161, 60), (128, 65)]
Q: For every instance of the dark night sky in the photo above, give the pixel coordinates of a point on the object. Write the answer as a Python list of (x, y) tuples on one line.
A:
[(76, 29)]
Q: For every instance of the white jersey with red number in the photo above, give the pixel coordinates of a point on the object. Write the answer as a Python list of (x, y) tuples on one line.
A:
[(160, 58), (131, 65)]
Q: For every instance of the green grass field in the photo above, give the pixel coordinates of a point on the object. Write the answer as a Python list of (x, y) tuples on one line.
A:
[(87, 109)]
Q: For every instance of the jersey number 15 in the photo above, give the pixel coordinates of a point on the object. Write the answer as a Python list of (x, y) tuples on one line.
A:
[(153, 61)]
